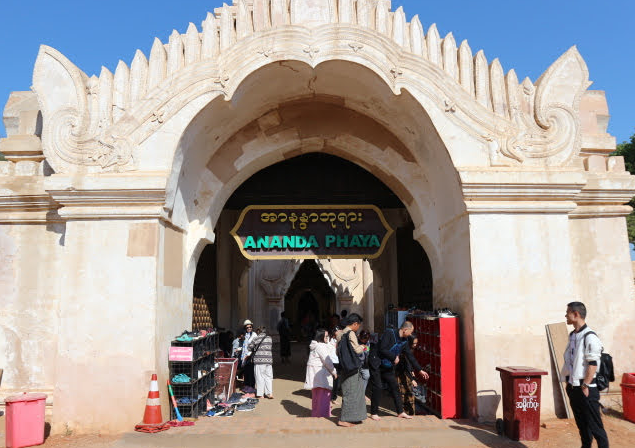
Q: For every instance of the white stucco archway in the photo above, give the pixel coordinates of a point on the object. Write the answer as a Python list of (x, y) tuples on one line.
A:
[(136, 166), (340, 108)]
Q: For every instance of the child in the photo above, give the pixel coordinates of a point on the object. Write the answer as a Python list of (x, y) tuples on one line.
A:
[(364, 338), (319, 374), (406, 379)]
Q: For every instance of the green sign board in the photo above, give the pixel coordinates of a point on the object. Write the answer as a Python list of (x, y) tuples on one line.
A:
[(266, 232)]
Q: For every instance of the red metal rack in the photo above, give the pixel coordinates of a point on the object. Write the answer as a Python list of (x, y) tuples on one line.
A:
[(439, 354)]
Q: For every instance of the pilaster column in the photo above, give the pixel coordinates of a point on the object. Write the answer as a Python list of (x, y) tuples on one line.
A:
[(602, 267), (275, 306), (122, 278), (368, 300)]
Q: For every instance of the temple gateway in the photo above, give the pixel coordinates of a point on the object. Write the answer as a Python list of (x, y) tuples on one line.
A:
[(120, 192)]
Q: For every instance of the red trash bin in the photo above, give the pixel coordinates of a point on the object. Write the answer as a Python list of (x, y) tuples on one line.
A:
[(628, 396), (25, 420), (521, 401)]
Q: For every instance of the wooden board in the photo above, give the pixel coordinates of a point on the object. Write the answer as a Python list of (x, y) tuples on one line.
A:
[(558, 338)]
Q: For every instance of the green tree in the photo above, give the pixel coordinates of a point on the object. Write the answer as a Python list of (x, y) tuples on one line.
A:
[(627, 149)]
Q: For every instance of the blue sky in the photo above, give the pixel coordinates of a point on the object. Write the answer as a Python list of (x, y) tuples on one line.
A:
[(526, 36)]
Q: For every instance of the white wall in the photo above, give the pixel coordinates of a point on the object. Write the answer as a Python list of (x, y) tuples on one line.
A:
[(603, 274), (522, 280), (107, 329), (30, 291)]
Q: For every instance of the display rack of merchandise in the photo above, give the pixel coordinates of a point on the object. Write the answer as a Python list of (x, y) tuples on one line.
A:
[(193, 380), (438, 353), (201, 316)]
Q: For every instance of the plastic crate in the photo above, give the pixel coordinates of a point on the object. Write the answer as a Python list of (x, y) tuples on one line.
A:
[(201, 371), (201, 346), (199, 385), (212, 342), (195, 409), (193, 369)]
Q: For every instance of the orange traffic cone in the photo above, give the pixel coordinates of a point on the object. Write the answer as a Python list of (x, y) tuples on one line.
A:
[(152, 414), (152, 418)]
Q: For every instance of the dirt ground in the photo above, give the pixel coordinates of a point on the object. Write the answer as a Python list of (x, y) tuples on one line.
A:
[(285, 421)]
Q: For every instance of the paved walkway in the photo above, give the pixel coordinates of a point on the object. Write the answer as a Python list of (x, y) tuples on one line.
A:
[(285, 422)]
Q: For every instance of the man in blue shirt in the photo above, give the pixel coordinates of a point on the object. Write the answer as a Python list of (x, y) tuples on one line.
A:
[(382, 362)]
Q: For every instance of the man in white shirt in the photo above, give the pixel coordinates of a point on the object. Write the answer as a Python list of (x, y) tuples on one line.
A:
[(581, 362)]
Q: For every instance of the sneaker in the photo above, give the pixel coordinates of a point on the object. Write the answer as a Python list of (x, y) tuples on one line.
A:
[(235, 398), (184, 338), (246, 407), (228, 413)]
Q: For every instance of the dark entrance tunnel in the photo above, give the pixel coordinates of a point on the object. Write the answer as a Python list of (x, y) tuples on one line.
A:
[(315, 179)]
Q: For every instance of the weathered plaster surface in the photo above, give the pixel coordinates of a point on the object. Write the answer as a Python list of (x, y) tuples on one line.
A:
[(525, 284), (30, 306), (601, 270), (114, 184)]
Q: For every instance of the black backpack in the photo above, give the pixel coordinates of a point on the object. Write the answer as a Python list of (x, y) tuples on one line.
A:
[(605, 373), (349, 362)]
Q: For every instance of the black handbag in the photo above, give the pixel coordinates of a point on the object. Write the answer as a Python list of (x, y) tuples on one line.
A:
[(250, 357)]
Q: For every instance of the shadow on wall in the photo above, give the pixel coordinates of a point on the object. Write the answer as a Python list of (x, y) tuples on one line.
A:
[(56, 227), (487, 403)]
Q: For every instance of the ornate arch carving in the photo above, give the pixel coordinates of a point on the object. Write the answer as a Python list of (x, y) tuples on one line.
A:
[(275, 276), (95, 124), (344, 276)]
